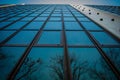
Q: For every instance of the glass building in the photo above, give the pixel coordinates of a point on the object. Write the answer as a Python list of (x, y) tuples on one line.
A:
[(55, 42)]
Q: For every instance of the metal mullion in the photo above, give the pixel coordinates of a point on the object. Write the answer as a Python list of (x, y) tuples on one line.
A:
[(81, 46), (67, 70), (96, 30), (110, 46), (51, 30), (20, 62), (99, 48), (8, 38), (15, 45), (17, 20), (47, 45), (74, 30)]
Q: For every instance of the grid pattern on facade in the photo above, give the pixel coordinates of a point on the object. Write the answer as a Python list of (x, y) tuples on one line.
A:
[(55, 42)]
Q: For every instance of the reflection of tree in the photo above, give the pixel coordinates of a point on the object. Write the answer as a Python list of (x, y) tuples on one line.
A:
[(2, 56), (105, 73), (77, 67), (29, 67), (114, 55)]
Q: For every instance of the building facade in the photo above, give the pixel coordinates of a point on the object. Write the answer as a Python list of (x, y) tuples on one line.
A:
[(56, 42)]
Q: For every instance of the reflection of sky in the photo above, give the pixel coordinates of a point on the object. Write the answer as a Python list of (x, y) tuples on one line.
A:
[(109, 2)]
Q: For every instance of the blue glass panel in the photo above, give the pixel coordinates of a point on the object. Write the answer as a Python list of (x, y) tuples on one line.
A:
[(23, 37), (2, 18), (77, 14), (2, 24), (69, 19), (5, 34), (24, 14), (55, 18), (53, 26), (9, 56), (40, 18), (72, 26), (114, 55), (33, 14), (90, 26), (56, 14), (67, 14), (16, 25), (14, 18), (47, 12), (88, 64), (44, 14), (27, 18), (83, 19), (50, 37), (42, 64), (104, 39), (34, 25), (77, 38)]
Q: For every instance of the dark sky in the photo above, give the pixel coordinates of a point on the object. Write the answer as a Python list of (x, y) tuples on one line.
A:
[(108, 2)]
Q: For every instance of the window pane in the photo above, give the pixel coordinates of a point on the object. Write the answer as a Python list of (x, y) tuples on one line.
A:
[(33, 14), (42, 64), (9, 56), (72, 26), (78, 15), (114, 55), (2, 24), (55, 18), (53, 26), (69, 19), (27, 18), (44, 14), (83, 19), (56, 14), (77, 38), (40, 18), (90, 26), (89, 65), (23, 37), (5, 34), (34, 25), (67, 14), (24, 14), (16, 25), (104, 38), (14, 18), (50, 37)]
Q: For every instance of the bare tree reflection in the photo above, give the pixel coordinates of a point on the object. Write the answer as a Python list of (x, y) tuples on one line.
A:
[(78, 67), (2, 56), (105, 74), (114, 55), (29, 67)]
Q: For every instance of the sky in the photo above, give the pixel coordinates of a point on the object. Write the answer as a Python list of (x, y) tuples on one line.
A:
[(100, 2)]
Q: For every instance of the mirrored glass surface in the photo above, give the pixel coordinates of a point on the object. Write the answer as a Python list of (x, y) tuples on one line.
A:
[(51, 37), (23, 37), (9, 57), (77, 38), (42, 64), (88, 64)]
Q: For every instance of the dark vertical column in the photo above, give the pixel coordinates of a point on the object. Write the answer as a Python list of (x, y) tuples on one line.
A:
[(68, 75)]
